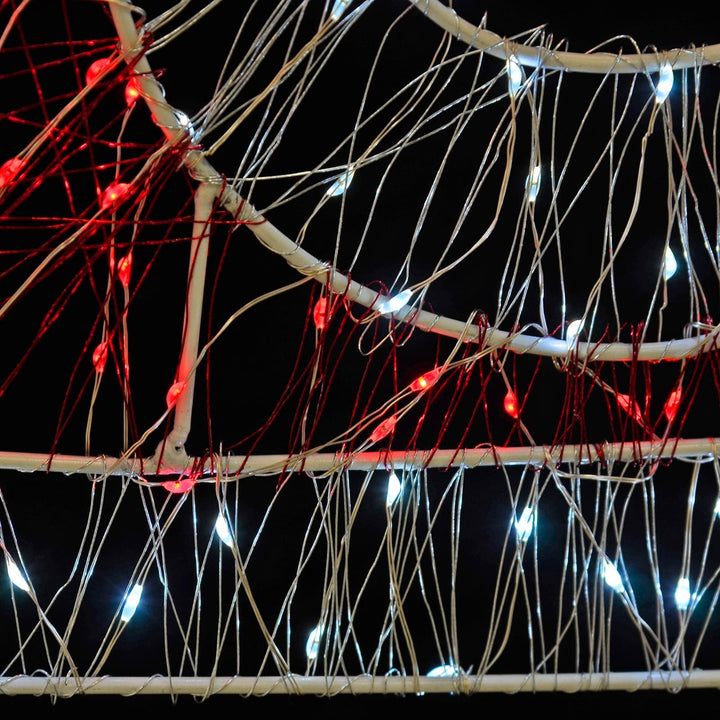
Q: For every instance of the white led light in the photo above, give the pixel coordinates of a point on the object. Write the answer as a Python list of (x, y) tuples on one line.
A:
[(573, 330), (394, 304), (524, 525), (312, 646), (131, 603), (16, 576), (223, 530), (339, 8), (665, 83), (669, 264), (682, 594), (515, 75), (611, 575), (341, 184), (533, 183), (393, 490)]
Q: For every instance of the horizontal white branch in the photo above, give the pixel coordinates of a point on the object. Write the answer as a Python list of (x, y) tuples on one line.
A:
[(271, 465), (360, 685)]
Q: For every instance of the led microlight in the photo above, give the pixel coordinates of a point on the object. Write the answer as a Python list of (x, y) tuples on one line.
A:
[(669, 264), (16, 576), (341, 184), (131, 603), (524, 524), (393, 489), (394, 304), (515, 75), (665, 83)]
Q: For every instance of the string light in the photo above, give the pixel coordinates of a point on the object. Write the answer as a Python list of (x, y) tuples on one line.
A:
[(99, 357), (223, 530), (96, 69), (573, 330), (611, 575), (394, 304), (682, 594), (393, 490), (383, 429), (665, 83), (533, 183), (511, 405), (312, 646), (515, 75), (630, 407), (124, 269), (16, 576), (669, 264), (9, 170), (132, 92), (113, 194), (425, 381), (131, 603), (338, 9), (524, 525), (320, 313), (341, 184), (672, 404), (176, 389), (179, 486)]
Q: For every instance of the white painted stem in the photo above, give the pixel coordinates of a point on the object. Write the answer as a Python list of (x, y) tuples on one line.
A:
[(359, 685)]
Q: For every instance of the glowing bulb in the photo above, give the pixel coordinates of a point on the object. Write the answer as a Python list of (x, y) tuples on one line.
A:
[(341, 184), (611, 575), (511, 405), (113, 194), (174, 393), (393, 489), (312, 646), (16, 576), (533, 183), (179, 486), (425, 381), (338, 9), (223, 530), (669, 264), (320, 313), (672, 404), (515, 75), (96, 69), (131, 603), (132, 91), (443, 671), (573, 330), (383, 429), (124, 268), (665, 83), (524, 525), (394, 304), (99, 357), (9, 170), (630, 407), (682, 594), (717, 507)]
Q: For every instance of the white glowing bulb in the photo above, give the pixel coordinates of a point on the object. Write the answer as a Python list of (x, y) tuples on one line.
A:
[(131, 603), (16, 576), (312, 646), (341, 184), (611, 575), (665, 83), (393, 304), (515, 75), (717, 507), (573, 330), (682, 593), (223, 530), (669, 264), (393, 489), (524, 525), (339, 8), (443, 671), (533, 183)]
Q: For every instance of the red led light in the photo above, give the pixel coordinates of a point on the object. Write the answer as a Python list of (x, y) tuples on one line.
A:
[(9, 170), (672, 404), (180, 486), (113, 194), (96, 69), (425, 381), (511, 405), (383, 429), (124, 269), (320, 313), (631, 408), (99, 357), (132, 91), (173, 394)]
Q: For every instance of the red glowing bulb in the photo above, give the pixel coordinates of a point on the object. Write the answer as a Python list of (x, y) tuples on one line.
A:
[(631, 408), (383, 429), (672, 404), (132, 91), (9, 170), (124, 268), (320, 313), (179, 486), (511, 404), (425, 381), (113, 194), (99, 357), (96, 69), (174, 393)]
